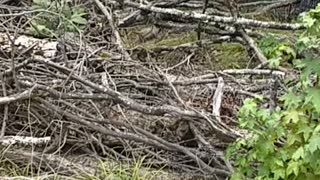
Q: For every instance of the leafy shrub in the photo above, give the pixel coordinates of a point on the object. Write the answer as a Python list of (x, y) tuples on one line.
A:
[(284, 143), (277, 52), (55, 17)]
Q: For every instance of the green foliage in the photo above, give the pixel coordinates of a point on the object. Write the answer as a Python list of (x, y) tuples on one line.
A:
[(311, 21), (284, 143), (277, 52), (56, 17), (311, 37)]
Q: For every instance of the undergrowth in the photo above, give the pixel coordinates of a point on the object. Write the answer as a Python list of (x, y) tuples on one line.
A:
[(53, 18), (284, 143)]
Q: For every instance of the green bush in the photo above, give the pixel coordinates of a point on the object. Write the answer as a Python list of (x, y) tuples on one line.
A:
[(56, 17), (284, 143)]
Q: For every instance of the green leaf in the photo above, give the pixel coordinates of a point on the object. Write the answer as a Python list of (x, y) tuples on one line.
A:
[(77, 18), (314, 143), (274, 62), (236, 176), (288, 50), (292, 138), (42, 3), (293, 167), (278, 162), (264, 147), (308, 21), (41, 28), (283, 155), (314, 95), (317, 129), (280, 131), (279, 173), (243, 162), (298, 154), (312, 65), (306, 130), (291, 100), (264, 170), (292, 116), (307, 42), (268, 44)]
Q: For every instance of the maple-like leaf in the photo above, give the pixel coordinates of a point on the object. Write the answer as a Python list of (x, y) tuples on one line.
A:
[(291, 100), (298, 154), (314, 143), (313, 94)]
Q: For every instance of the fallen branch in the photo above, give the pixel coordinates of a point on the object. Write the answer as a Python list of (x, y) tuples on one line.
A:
[(23, 140), (217, 99), (216, 19), (254, 72), (17, 97)]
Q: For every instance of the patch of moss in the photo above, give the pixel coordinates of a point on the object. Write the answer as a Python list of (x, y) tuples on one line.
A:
[(171, 40), (174, 40), (230, 55), (215, 57)]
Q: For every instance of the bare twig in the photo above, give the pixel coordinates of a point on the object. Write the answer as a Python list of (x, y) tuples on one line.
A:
[(6, 108)]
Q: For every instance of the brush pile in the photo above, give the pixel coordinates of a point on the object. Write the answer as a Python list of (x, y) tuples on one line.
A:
[(79, 88)]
